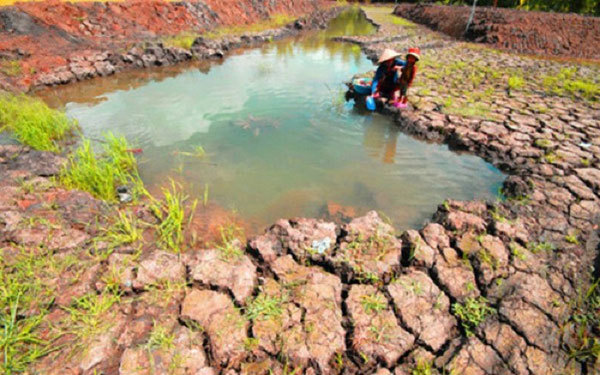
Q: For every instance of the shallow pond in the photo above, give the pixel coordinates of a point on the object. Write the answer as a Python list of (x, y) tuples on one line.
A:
[(279, 139)]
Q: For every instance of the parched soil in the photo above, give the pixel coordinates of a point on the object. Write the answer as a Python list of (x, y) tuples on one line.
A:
[(315, 297), (540, 33), (53, 42)]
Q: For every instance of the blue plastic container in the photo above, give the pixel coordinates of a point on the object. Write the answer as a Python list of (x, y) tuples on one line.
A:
[(362, 86), (371, 103)]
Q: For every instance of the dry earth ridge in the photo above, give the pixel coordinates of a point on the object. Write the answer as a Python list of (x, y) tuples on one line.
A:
[(369, 303)]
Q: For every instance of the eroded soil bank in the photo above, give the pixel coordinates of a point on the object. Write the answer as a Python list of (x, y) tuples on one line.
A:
[(485, 288), (540, 33), (48, 43)]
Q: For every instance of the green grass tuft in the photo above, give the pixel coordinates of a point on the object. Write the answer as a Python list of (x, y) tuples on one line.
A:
[(33, 123), (515, 82), (101, 174), (472, 313), (373, 303), (184, 40), (265, 307), (171, 213)]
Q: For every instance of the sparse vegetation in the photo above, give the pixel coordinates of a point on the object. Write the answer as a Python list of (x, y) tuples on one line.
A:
[(160, 337), (472, 313), (33, 123), (567, 83), (537, 247)]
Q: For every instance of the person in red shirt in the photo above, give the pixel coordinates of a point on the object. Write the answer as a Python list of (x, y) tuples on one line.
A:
[(407, 70)]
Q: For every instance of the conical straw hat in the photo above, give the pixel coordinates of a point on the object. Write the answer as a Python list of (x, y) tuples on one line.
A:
[(387, 55)]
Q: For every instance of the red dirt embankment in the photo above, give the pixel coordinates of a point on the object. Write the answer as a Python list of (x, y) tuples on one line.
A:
[(36, 37), (540, 33)]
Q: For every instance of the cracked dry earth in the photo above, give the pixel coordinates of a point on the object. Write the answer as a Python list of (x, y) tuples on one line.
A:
[(373, 301)]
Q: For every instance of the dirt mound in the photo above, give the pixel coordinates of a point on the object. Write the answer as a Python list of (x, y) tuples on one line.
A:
[(553, 34), (37, 38)]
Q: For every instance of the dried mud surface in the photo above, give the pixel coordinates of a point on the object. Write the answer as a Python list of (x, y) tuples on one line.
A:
[(541, 33)]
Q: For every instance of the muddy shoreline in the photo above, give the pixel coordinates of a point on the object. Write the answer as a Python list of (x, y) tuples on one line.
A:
[(94, 49), (352, 298)]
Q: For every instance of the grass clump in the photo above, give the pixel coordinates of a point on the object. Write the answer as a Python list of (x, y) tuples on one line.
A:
[(88, 317), (27, 291), (422, 368), (373, 303), (101, 174), (265, 307), (33, 123), (19, 342), (160, 338), (184, 40), (515, 82), (123, 231), (472, 313), (171, 213)]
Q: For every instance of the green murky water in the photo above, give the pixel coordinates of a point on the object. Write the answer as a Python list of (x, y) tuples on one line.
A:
[(279, 139)]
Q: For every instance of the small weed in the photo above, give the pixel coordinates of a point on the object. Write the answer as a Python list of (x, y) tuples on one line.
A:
[(228, 245), (87, 315), (515, 82), (422, 368), (160, 338), (33, 123), (412, 286), (516, 251), (472, 313), (551, 158), (572, 239), (373, 303), (122, 232), (543, 143), (488, 258), (264, 307), (380, 332), (251, 343)]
